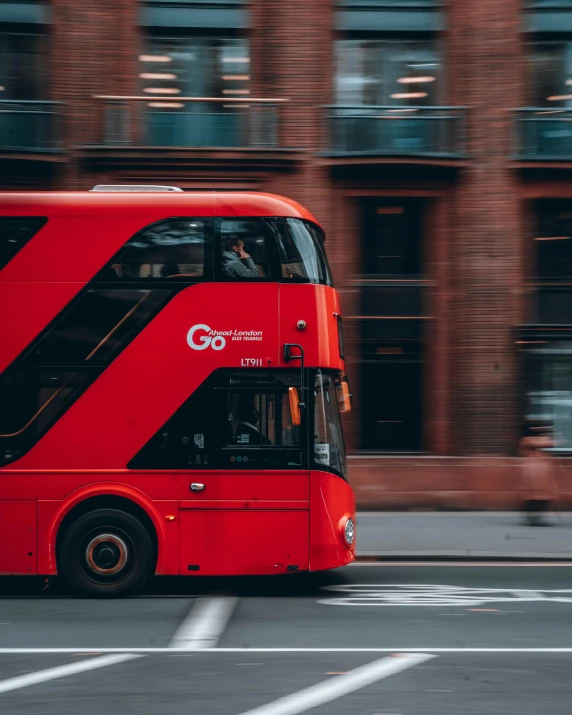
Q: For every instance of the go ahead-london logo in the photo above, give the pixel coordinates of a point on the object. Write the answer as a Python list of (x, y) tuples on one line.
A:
[(201, 337)]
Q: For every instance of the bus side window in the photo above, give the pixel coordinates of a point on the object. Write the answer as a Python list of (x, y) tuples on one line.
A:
[(185, 441), (15, 232), (244, 254), (173, 250)]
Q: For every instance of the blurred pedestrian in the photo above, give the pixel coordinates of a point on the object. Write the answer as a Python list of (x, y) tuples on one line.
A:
[(538, 484)]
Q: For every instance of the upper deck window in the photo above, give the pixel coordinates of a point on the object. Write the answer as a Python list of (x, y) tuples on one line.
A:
[(300, 250), (15, 234), (171, 250), (274, 249)]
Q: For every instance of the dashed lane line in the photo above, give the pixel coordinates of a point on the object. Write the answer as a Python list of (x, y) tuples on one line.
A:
[(62, 671), (334, 688), (204, 624)]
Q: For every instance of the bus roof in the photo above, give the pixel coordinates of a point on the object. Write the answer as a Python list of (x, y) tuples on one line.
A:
[(154, 205)]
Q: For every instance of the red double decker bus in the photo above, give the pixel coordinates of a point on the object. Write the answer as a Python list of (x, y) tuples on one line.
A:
[(171, 382)]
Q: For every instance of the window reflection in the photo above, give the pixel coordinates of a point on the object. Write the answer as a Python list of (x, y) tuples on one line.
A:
[(551, 74), (549, 393), (171, 250), (387, 72), (300, 250)]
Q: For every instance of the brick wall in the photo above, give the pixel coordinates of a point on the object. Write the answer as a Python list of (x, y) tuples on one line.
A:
[(94, 50), (485, 57)]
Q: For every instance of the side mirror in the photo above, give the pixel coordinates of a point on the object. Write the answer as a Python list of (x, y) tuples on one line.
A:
[(344, 397), (294, 406)]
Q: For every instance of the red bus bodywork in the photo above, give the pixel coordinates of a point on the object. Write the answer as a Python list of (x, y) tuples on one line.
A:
[(247, 522)]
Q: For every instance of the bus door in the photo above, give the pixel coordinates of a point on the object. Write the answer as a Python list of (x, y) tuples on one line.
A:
[(250, 513), (244, 496)]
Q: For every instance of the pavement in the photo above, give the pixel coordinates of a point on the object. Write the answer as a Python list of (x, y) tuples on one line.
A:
[(369, 639), (465, 535)]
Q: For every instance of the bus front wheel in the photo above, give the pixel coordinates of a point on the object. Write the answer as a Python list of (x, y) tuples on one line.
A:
[(106, 552)]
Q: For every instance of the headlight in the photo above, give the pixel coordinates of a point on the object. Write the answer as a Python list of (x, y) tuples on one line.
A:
[(349, 532)]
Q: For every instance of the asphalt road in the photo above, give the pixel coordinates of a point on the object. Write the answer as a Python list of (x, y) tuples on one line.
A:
[(367, 640)]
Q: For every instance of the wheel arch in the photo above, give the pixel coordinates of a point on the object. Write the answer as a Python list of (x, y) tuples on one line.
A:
[(115, 496), (106, 501)]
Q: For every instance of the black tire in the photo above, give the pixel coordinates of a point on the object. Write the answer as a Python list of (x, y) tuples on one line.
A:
[(106, 553)]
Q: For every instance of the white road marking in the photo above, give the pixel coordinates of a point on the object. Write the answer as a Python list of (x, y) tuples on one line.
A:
[(424, 649), (435, 595), (61, 671), (335, 688), (204, 624)]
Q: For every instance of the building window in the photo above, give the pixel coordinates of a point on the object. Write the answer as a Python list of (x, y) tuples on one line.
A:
[(552, 274), (214, 68), (22, 65), (388, 95), (392, 326), (387, 72), (548, 369), (550, 65), (546, 341)]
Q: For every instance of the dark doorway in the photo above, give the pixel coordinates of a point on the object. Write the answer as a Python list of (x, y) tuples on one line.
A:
[(392, 319)]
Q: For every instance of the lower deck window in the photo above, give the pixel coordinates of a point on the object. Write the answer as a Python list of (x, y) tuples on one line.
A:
[(235, 420)]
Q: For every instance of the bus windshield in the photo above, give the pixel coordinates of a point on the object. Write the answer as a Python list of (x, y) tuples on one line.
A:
[(301, 250), (329, 449)]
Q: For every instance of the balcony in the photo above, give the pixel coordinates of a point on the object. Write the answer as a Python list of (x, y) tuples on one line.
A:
[(190, 122), (29, 126), (430, 132), (543, 134), (184, 134), (187, 134)]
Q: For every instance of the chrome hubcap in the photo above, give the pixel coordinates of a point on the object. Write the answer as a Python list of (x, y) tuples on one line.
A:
[(106, 554)]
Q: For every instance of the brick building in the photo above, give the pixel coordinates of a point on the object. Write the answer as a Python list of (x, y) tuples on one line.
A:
[(431, 139)]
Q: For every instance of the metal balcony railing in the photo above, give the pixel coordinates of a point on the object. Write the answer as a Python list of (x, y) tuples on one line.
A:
[(397, 130), (375, 4), (543, 133), (29, 125), (190, 121), (548, 3)]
